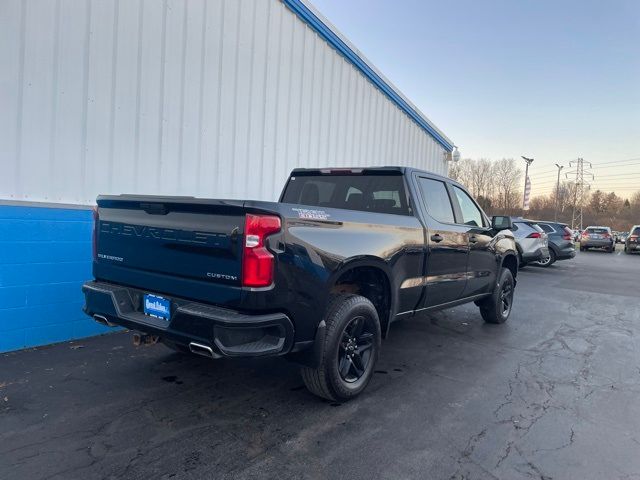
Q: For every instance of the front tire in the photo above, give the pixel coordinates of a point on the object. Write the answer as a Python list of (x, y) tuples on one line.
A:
[(351, 347), (497, 307)]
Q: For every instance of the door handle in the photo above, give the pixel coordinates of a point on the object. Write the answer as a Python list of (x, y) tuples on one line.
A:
[(437, 238), (473, 239)]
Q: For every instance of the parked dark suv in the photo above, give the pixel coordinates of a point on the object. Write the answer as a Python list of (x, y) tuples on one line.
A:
[(632, 242), (561, 245), (597, 237)]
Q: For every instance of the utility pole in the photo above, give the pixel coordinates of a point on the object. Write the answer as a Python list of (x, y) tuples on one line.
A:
[(581, 185), (528, 161), (555, 217)]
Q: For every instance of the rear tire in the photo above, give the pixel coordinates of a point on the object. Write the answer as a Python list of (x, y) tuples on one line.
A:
[(547, 262), (497, 307), (350, 351)]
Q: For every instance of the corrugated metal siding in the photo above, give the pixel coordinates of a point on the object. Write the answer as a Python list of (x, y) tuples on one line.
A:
[(206, 98)]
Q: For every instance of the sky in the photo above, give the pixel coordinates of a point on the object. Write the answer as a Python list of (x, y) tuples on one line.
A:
[(551, 80)]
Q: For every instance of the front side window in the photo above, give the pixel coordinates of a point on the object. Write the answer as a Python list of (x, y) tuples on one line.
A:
[(436, 199), (471, 214)]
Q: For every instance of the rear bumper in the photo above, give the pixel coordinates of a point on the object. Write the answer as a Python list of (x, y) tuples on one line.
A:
[(538, 254), (226, 332), (633, 247), (596, 243), (566, 252)]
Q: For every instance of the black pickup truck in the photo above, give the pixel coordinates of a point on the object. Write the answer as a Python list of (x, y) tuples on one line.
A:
[(318, 277)]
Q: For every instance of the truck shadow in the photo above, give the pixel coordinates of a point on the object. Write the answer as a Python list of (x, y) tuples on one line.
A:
[(132, 405)]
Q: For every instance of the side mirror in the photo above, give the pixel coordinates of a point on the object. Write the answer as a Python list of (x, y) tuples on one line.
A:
[(501, 222)]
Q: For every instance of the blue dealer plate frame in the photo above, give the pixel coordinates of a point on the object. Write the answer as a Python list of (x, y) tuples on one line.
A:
[(157, 306)]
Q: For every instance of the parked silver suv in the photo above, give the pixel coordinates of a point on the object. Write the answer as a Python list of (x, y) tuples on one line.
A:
[(531, 241)]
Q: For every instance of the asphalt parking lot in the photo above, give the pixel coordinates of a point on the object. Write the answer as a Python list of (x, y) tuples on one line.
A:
[(552, 394)]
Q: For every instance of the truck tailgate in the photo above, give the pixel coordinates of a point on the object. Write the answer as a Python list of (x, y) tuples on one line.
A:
[(183, 246)]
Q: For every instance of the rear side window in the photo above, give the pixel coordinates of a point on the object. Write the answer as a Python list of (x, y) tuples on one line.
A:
[(546, 228), (366, 193), (471, 214), (526, 227), (436, 199)]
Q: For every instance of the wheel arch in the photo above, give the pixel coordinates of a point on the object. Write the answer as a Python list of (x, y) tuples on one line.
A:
[(370, 277), (510, 261)]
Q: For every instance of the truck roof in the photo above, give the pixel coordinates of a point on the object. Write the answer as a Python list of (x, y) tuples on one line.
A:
[(385, 170)]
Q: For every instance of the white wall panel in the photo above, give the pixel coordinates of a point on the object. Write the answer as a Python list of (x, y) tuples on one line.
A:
[(216, 98)]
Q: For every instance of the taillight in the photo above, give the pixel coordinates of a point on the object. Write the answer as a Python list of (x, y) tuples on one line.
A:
[(567, 235), (633, 237), (585, 234), (534, 235), (94, 239), (606, 235), (257, 261)]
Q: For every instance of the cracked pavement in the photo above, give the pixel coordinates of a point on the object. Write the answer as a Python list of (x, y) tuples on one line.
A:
[(552, 394)]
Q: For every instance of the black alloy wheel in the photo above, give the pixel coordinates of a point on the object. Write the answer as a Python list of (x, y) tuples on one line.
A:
[(497, 307), (356, 347), (506, 298), (351, 343)]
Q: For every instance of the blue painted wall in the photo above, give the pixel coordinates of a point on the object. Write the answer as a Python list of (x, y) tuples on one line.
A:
[(45, 256)]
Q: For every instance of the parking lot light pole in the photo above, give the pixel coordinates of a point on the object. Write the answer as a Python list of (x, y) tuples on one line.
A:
[(528, 161), (555, 216)]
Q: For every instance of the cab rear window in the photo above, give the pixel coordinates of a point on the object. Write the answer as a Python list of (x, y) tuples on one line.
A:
[(366, 193)]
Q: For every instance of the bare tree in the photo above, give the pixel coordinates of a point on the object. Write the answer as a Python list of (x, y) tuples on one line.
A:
[(462, 171), (481, 176), (497, 186), (506, 178)]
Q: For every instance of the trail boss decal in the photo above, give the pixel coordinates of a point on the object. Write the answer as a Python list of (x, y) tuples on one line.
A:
[(311, 214)]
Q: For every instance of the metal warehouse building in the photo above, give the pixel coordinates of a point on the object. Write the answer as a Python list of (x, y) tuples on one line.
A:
[(217, 98)]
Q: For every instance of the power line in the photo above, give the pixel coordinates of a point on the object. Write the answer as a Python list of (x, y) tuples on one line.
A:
[(607, 179), (629, 189), (616, 166), (549, 172), (549, 177), (620, 175), (595, 184), (620, 161)]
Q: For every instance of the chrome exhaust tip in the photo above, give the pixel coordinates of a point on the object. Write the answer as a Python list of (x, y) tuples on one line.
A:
[(102, 320), (203, 350)]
